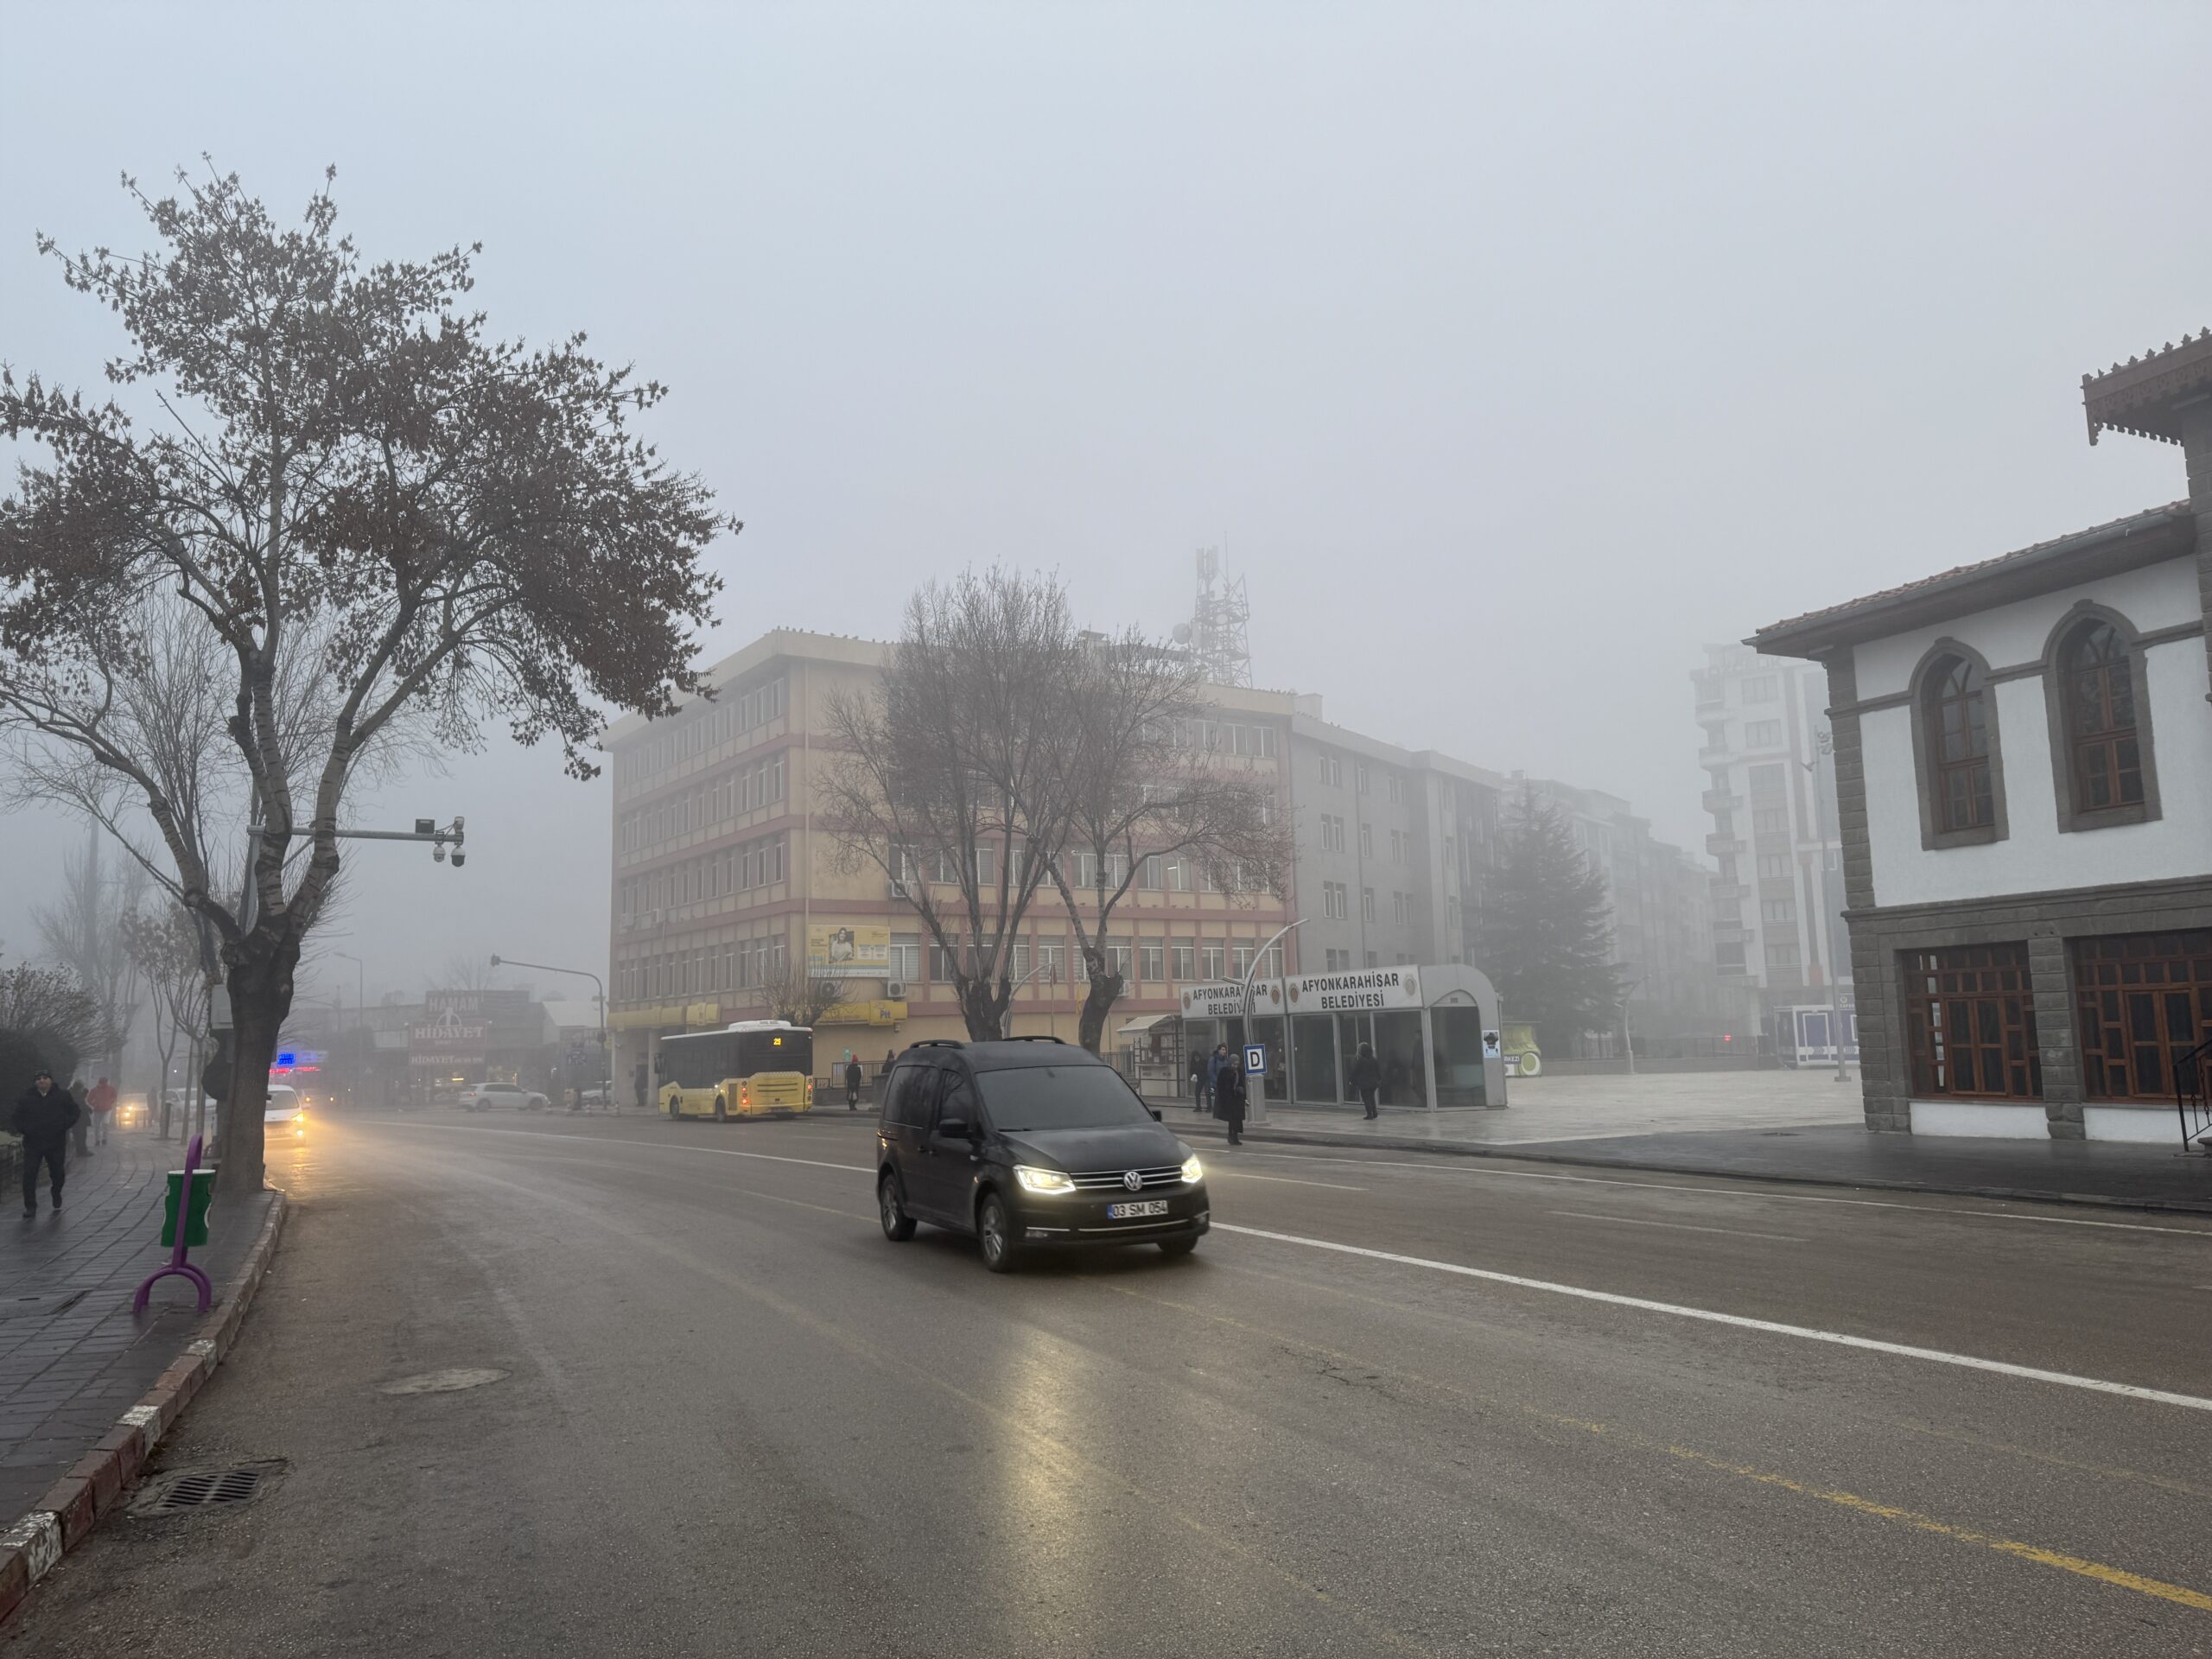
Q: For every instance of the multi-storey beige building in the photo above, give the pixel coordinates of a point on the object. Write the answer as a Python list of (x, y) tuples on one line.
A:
[(725, 874)]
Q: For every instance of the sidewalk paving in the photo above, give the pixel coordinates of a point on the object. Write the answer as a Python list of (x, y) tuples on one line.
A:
[(72, 1358), (1824, 1155)]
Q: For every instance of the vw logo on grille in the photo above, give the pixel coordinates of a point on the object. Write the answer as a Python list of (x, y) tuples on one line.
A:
[(1131, 1180)]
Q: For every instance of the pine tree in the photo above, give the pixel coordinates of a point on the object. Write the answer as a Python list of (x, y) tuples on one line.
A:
[(1544, 932)]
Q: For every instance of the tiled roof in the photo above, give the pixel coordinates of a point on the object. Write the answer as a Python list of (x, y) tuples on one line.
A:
[(1966, 574)]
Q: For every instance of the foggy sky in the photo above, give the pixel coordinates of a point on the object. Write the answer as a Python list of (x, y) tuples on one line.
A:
[(1514, 352)]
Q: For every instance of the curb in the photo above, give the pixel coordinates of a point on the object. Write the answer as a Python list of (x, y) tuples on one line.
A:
[(1874, 1183), (29, 1549)]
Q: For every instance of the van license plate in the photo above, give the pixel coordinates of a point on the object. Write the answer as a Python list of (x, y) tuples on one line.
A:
[(1140, 1207)]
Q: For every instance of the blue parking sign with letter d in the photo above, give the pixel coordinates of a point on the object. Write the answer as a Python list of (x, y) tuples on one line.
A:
[(1255, 1058)]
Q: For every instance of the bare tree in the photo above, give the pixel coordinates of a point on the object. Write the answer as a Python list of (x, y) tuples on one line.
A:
[(463, 972), (84, 933), (387, 522), (166, 945), (1139, 777), (946, 777), (46, 1018), (801, 997)]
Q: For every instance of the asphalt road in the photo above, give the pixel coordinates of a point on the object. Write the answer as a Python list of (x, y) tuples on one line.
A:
[(730, 1417)]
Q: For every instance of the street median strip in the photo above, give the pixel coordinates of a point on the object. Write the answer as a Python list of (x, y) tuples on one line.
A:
[(62, 1519)]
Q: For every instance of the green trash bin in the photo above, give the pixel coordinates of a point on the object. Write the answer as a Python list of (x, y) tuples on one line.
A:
[(195, 1225)]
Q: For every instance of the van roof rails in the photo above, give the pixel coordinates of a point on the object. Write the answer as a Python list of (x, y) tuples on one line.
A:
[(936, 1042), (1035, 1037)]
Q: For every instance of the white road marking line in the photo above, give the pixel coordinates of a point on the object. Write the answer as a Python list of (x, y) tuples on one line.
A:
[(1730, 1192), (1214, 1170), (655, 1145), (1808, 1333), (1678, 1226)]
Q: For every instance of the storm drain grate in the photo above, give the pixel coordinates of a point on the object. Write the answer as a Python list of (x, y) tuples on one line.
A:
[(201, 1489)]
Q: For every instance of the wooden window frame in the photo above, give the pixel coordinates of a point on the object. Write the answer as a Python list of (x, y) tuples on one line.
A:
[(1987, 990), (2141, 1000), (2060, 701), (1928, 769)]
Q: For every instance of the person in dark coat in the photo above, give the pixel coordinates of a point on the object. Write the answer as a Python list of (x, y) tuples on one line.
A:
[(1367, 1076), (889, 1055), (853, 1077), (43, 1118), (1216, 1063), (1198, 1081), (1228, 1101), (84, 1117)]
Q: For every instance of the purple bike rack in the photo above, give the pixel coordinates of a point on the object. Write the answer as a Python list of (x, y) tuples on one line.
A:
[(178, 1266)]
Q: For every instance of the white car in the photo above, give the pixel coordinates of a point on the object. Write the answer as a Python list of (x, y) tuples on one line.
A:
[(285, 1117), (483, 1096)]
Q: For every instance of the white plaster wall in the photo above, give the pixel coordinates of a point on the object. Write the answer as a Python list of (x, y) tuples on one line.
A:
[(2035, 856), (1977, 1119), (2153, 1126)]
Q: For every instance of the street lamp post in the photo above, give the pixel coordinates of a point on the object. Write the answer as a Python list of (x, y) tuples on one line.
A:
[(360, 1026), (599, 996), (1824, 741), (1251, 973)]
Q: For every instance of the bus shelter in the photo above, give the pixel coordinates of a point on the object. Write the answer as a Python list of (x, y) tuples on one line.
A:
[(1436, 1031)]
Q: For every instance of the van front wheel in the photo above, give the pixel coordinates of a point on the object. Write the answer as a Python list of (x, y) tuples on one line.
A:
[(898, 1225), (994, 1232)]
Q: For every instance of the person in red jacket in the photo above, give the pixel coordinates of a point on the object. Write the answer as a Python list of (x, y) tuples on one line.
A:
[(101, 1099)]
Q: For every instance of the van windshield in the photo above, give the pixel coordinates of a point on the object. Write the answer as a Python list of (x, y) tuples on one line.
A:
[(1060, 1097)]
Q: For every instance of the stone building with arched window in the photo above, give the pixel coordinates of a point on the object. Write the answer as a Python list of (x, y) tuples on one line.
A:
[(2024, 766)]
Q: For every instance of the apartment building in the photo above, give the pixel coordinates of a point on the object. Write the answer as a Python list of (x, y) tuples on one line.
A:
[(1777, 900), (725, 879)]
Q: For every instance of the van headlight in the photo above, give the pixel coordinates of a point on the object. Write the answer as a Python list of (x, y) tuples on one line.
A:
[(1034, 1179), (1194, 1171)]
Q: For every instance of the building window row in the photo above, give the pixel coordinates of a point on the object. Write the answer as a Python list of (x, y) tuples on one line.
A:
[(1226, 737), (2103, 762), (760, 862), (702, 971), (2142, 1004), (716, 800), (1053, 959), (701, 726)]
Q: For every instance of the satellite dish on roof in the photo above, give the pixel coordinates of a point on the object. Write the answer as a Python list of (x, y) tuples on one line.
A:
[(1182, 633)]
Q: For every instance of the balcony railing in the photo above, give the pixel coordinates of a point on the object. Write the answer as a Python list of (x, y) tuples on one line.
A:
[(1720, 800), (1720, 846)]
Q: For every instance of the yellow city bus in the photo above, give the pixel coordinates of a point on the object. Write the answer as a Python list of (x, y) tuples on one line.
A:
[(756, 1068)]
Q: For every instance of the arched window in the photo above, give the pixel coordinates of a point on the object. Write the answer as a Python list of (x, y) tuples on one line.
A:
[(2105, 748), (1958, 750), (1956, 705)]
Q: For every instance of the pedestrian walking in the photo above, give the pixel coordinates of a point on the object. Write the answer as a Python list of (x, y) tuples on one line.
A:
[(1198, 1081), (43, 1117), (83, 1124), (1228, 1101), (1367, 1076), (101, 1099), (853, 1077), (889, 1055)]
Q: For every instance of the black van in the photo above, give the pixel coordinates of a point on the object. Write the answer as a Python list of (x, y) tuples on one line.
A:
[(1030, 1143)]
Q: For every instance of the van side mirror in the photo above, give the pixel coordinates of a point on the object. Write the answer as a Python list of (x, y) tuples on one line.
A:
[(956, 1129), (1156, 1117)]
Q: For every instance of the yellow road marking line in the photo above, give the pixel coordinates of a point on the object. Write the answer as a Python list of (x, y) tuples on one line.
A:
[(2079, 1566)]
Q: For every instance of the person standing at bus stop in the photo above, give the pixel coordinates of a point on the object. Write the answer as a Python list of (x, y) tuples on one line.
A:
[(1229, 1097), (1366, 1076), (853, 1076)]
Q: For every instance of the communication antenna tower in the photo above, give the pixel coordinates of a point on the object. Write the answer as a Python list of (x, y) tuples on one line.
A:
[(1219, 627)]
